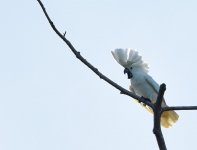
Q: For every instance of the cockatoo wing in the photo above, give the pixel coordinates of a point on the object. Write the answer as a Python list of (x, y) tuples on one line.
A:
[(142, 104), (168, 118), (155, 86)]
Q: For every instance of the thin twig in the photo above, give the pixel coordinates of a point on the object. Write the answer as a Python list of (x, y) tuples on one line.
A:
[(64, 34), (179, 108)]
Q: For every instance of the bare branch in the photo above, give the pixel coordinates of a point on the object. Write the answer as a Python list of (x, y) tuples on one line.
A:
[(179, 108), (95, 70), (157, 111), (160, 96)]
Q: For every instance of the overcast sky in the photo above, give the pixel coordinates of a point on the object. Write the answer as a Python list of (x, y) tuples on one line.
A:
[(50, 100)]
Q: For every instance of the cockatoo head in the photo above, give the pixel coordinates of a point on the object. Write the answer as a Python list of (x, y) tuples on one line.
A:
[(129, 59)]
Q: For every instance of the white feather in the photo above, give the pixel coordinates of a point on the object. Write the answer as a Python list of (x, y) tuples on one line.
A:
[(120, 55), (129, 58), (143, 84)]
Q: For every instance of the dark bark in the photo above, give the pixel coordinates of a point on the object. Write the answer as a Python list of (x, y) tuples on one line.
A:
[(180, 108), (157, 109), (89, 65)]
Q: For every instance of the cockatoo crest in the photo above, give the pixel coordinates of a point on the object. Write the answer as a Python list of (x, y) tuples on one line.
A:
[(129, 58)]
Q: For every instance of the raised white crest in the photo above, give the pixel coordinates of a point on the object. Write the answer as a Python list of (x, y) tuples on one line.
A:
[(129, 58)]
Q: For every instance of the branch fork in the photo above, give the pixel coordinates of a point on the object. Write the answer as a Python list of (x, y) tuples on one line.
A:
[(157, 109)]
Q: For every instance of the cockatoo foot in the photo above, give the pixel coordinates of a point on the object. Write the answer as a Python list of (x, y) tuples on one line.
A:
[(146, 99)]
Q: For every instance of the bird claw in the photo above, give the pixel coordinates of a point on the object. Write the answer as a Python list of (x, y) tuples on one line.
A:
[(146, 99)]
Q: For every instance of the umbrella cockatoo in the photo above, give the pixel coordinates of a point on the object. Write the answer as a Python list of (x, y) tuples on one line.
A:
[(142, 84)]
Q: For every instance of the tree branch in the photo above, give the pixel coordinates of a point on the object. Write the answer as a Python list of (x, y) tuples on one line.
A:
[(95, 70), (179, 108), (157, 111), (160, 96)]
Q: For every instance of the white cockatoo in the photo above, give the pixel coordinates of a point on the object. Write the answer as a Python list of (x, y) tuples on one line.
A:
[(142, 84)]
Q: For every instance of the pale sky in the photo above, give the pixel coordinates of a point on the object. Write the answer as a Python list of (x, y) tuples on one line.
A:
[(50, 100)]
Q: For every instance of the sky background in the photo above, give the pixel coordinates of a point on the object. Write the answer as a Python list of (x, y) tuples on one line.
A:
[(50, 100)]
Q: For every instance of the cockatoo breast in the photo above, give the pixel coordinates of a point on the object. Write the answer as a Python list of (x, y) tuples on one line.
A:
[(139, 84)]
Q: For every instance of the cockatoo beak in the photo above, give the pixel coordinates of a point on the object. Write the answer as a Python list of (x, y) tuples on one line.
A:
[(128, 72)]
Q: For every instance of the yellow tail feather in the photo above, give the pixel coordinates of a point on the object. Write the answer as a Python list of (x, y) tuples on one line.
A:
[(168, 118)]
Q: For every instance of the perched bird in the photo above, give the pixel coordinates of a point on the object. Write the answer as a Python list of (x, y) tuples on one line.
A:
[(142, 84)]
